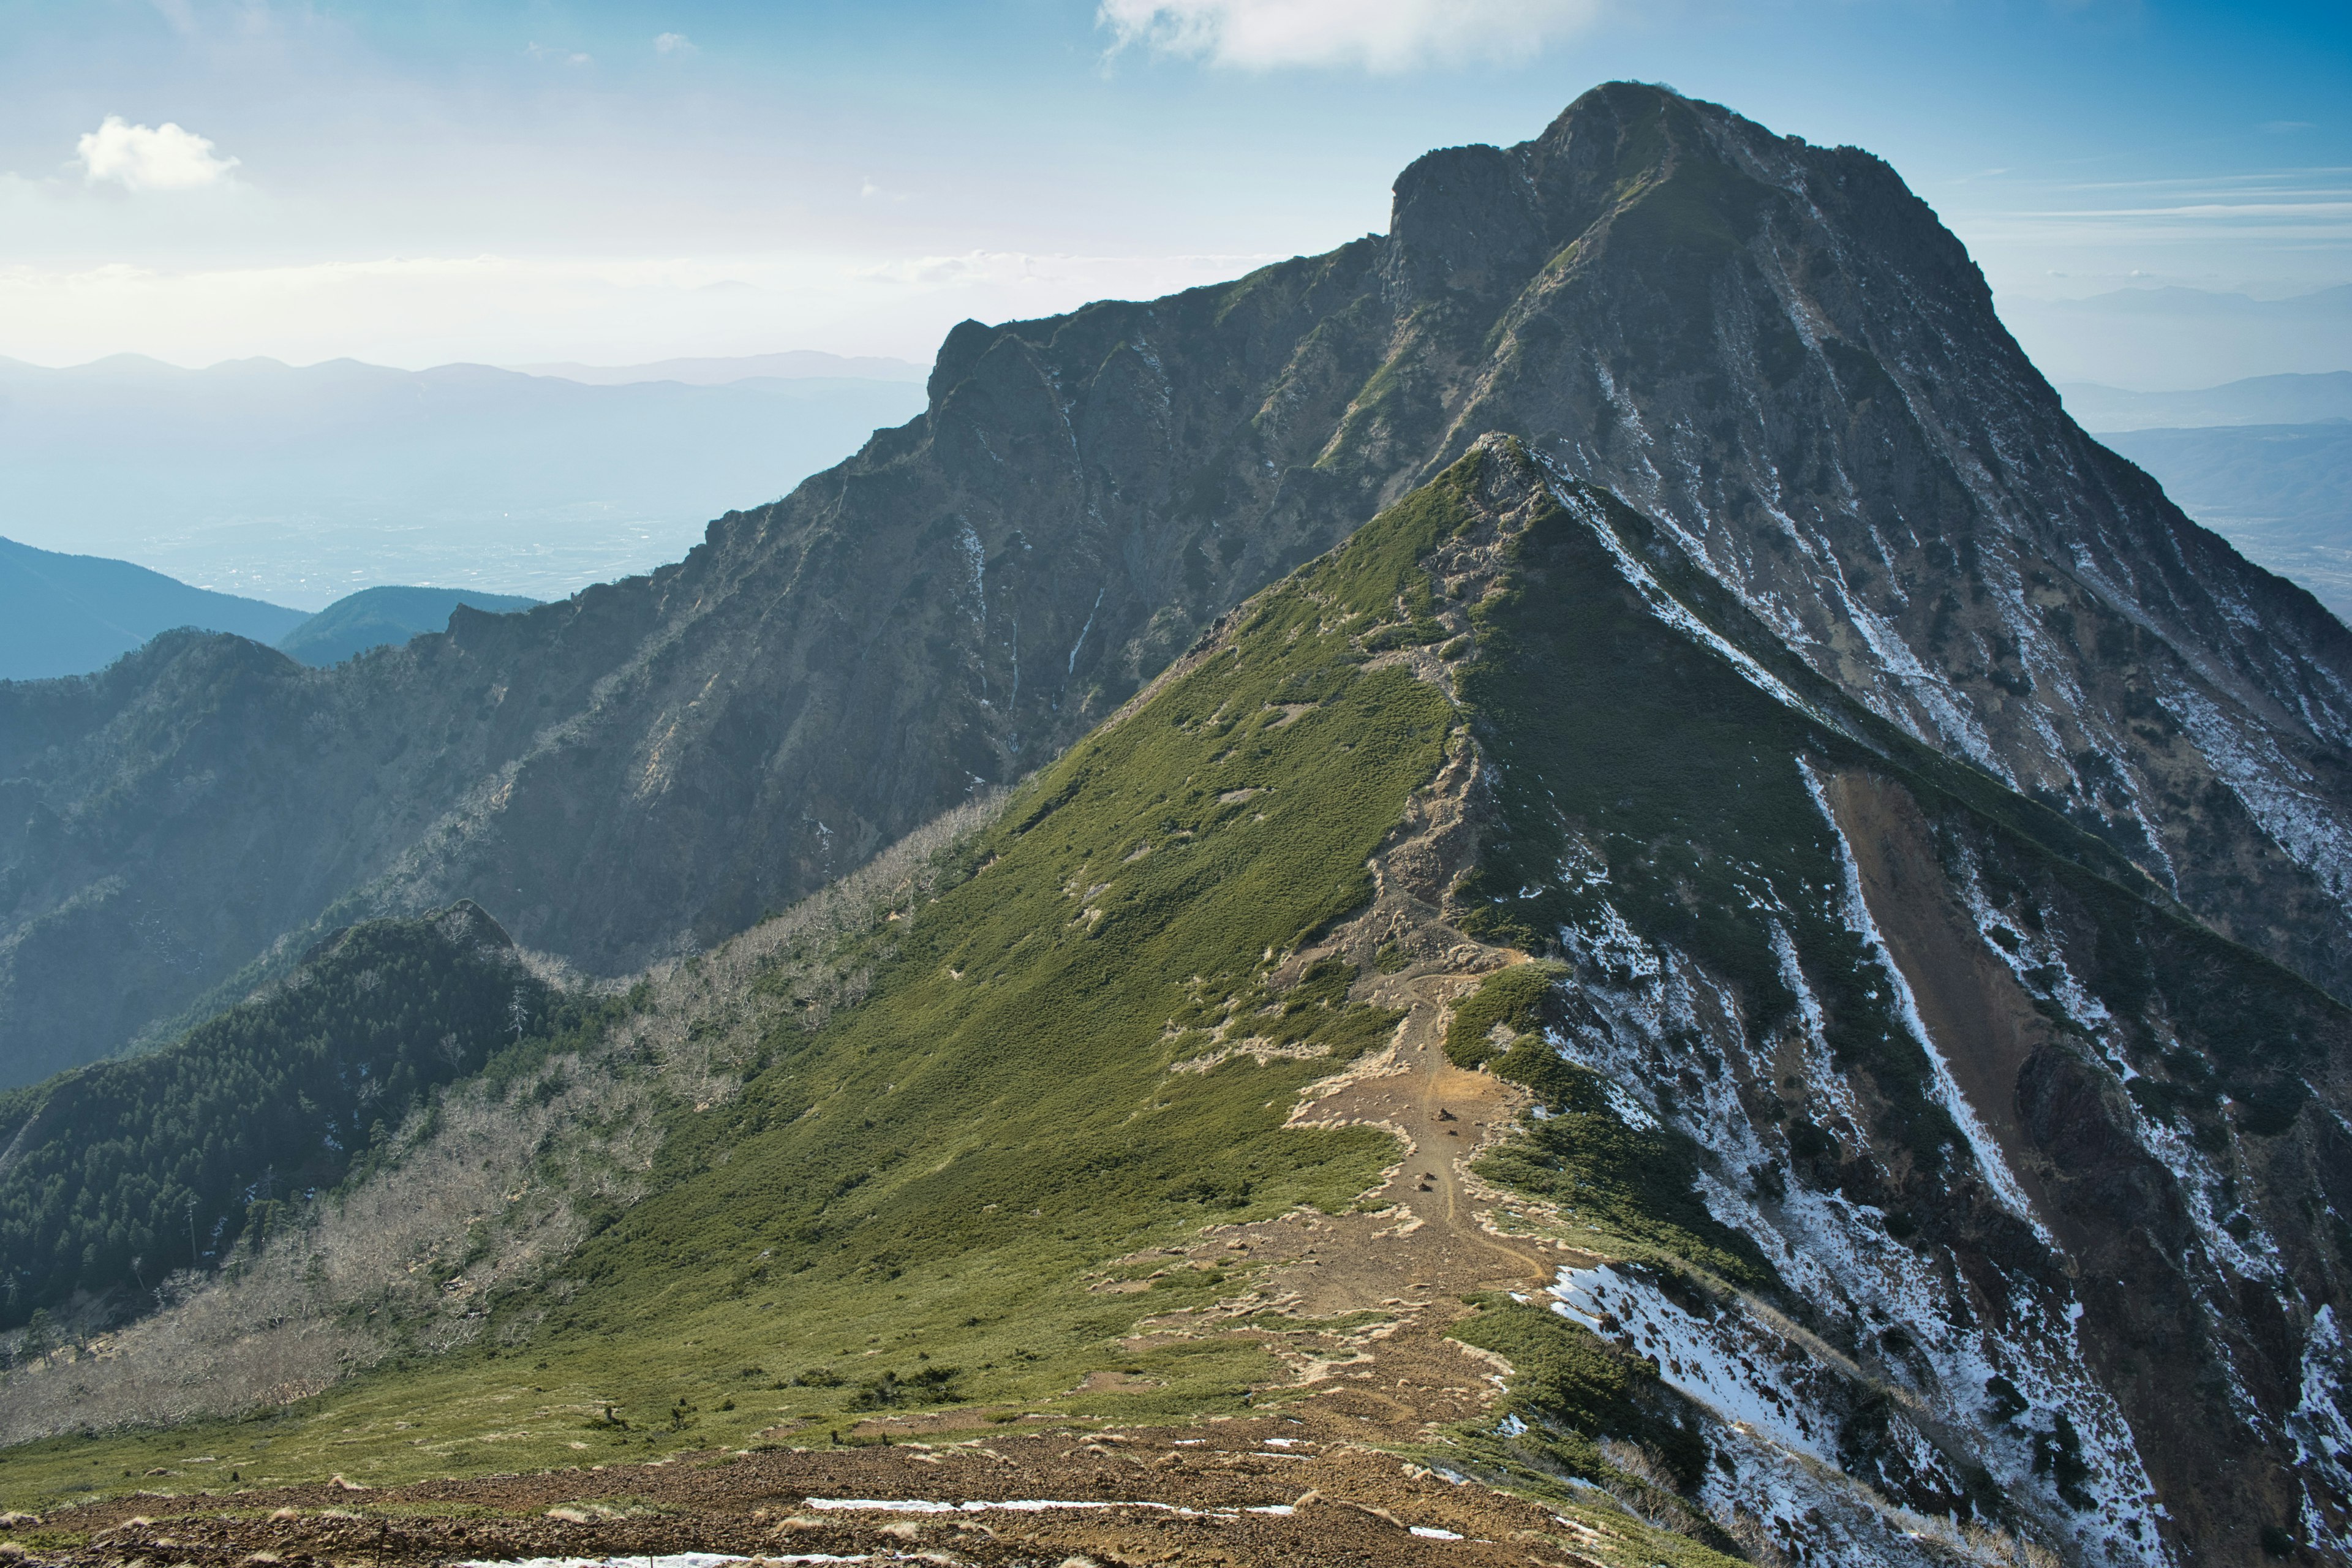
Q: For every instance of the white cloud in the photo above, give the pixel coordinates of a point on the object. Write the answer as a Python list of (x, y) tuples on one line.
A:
[(149, 157), (673, 44), (561, 57), (1376, 34)]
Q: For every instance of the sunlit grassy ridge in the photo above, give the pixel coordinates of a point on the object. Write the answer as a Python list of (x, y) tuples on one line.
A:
[(932, 1182), (1086, 1046)]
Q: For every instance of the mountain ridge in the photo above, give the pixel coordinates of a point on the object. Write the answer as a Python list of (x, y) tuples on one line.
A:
[(387, 614), (2257, 400), (1168, 456), (1821, 1082)]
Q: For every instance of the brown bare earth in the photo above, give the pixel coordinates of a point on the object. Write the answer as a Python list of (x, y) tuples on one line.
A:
[(1204, 1495), (1971, 1004), (1312, 1481)]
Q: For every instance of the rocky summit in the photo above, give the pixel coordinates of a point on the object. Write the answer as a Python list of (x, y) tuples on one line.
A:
[(1572, 885)]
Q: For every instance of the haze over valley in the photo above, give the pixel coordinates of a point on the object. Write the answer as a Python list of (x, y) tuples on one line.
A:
[(296, 486)]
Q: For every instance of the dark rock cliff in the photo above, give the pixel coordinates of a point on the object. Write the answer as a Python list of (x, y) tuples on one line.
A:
[(2042, 1176), (1774, 351)]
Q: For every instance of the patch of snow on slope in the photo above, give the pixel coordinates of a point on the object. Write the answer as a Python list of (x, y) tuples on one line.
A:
[(2323, 1438), (1669, 609), (1772, 1407), (1643, 1015), (1822, 1076), (2273, 789), (668, 1560), (1838, 1255), (1072, 668), (975, 559), (2033, 956), (1730, 1364), (1932, 692)]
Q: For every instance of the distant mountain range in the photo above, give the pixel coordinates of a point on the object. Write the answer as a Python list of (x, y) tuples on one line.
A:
[(2171, 337), (294, 485), (2281, 493), (2266, 462), (68, 614), (373, 617), (71, 615), (2258, 400)]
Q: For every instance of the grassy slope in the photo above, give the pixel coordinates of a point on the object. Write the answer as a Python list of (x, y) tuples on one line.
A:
[(934, 1180), (920, 1195)]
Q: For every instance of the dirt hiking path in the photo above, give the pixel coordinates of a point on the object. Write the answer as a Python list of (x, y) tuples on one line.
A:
[(1356, 1306), (1372, 1295)]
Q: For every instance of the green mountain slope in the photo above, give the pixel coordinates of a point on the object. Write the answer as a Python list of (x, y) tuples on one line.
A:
[(1131, 900), (1213, 1080), (939, 1169)]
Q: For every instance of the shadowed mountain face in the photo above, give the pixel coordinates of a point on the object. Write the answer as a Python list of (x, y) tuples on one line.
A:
[(1773, 351)]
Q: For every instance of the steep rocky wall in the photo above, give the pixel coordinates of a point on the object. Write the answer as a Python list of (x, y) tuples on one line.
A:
[(2043, 1176)]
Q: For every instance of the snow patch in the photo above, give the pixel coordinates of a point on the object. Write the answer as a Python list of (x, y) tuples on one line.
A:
[(1670, 610)]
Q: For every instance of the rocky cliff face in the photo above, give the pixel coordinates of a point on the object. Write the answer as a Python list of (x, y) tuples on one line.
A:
[(1772, 351), (2042, 1176), (1776, 352)]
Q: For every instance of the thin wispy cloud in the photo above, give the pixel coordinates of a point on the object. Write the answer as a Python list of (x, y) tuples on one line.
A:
[(178, 15), (2265, 180), (2255, 204), (163, 157), (673, 44), (1369, 35), (558, 57)]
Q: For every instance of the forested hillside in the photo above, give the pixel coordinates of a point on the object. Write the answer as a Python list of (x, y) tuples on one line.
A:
[(117, 1176)]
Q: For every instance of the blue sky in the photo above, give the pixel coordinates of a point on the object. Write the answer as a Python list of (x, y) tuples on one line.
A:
[(612, 182)]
